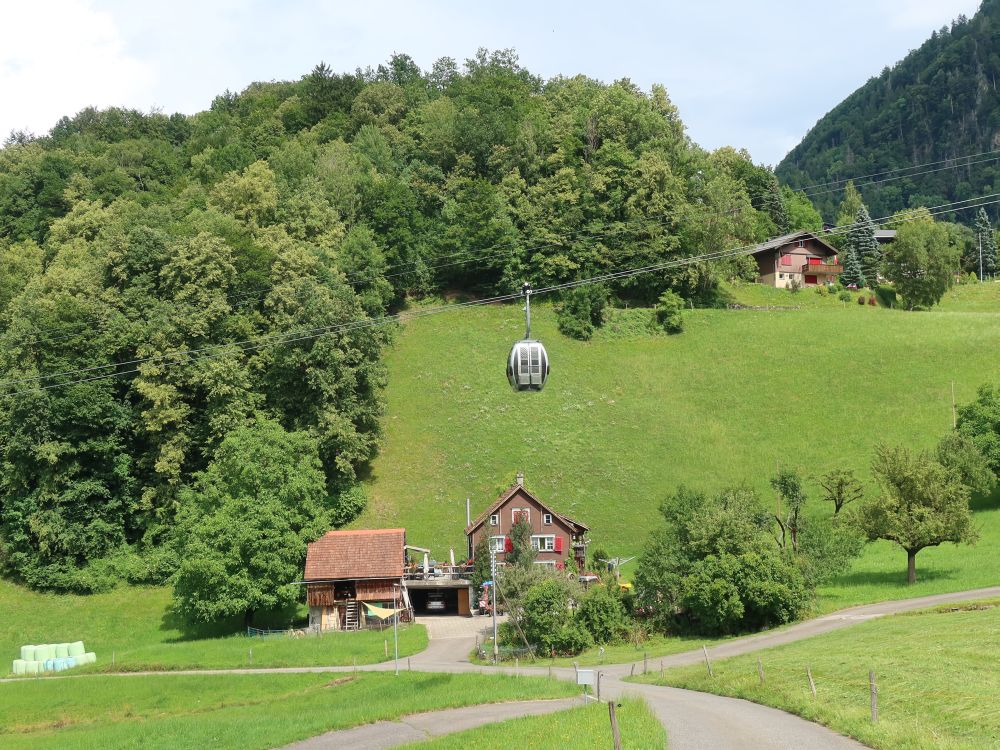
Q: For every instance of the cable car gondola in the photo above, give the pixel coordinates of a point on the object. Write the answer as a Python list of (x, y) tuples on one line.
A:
[(528, 363)]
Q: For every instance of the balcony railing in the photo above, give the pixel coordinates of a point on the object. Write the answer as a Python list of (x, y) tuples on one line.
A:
[(442, 572), (826, 269)]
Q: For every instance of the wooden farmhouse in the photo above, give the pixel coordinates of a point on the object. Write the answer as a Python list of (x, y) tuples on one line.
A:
[(802, 257), (347, 569), (557, 539)]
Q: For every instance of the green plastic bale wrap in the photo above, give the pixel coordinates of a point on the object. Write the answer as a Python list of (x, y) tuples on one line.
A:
[(89, 658), (44, 652), (28, 653), (32, 667), (76, 649), (62, 650), (18, 666)]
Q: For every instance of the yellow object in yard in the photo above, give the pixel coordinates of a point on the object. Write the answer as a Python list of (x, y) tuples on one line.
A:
[(625, 586), (381, 612)]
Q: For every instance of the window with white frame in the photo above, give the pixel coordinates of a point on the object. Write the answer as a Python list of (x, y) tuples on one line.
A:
[(497, 543), (547, 519), (543, 542), (516, 513), (495, 519), (549, 563)]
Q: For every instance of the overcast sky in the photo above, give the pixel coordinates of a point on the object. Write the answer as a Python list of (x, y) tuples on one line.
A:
[(748, 74)]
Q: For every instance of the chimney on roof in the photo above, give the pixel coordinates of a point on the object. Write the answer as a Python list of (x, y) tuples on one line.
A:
[(520, 479)]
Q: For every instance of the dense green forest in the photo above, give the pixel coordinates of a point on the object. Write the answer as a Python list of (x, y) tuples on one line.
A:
[(937, 107), (168, 282)]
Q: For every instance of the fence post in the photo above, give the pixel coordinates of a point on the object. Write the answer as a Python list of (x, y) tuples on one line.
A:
[(645, 665), (251, 656), (874, 693), (550, 671), (661, 669), (517, 666), (812, 685), (631, 671), (598, 687), (408, 668), (385, 643), (615, 734), (708, 662), (760, 670)]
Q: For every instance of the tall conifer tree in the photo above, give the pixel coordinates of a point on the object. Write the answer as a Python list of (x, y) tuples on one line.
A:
[(984, 235), (862, 243)]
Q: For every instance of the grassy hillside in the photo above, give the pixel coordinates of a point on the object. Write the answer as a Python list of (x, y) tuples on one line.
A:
[(629, 416), (935, 672), (137, 625)]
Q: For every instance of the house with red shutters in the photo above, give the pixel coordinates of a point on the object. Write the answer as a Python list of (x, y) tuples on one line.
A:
[(556, 538), (800, 258)]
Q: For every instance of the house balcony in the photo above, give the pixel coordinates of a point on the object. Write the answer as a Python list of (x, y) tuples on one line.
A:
[(821, 269)]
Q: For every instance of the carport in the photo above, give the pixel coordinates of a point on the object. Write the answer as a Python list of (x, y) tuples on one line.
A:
[(456, 593)]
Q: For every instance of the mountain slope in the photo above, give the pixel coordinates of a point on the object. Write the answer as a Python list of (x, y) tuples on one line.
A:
[(940, 102)]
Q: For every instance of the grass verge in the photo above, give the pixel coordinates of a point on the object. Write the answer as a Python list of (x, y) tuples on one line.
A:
[(935, 670), (576, 729), (243, 712)]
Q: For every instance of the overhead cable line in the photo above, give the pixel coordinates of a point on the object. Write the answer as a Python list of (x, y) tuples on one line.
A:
[(306, 334)]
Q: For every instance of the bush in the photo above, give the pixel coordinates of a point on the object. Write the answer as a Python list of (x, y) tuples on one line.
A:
[(669, 312), (602, 613), (821, 290), (861, 299), (582, 311), (794, 286), (546, 615), (571, 639), (871, 301), (886, 296), (844, 296)]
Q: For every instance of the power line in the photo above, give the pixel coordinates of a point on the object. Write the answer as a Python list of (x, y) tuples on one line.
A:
[(878, 183), (294, 336), (807, 188)]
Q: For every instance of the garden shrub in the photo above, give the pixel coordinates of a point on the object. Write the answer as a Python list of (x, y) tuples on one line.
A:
[(602, 613), (861, 299), (669, 312), (844, 296), (581, 311)]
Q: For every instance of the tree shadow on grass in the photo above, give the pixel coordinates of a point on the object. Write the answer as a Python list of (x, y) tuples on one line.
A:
[(895, 578), (273, 619)]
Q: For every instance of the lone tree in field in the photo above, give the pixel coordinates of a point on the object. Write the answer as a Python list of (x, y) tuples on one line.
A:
[(791, 500), (922, 260), (861, 241), (841, 488), (922, 504)]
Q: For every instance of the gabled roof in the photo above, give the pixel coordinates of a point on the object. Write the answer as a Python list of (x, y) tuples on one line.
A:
[(362, 553), (774, 244), (507, 495)]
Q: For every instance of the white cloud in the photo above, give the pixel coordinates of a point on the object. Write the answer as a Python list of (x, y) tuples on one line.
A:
[(59, 57)]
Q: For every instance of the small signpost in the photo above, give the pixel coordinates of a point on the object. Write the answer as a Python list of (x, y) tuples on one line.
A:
[(585, 677)]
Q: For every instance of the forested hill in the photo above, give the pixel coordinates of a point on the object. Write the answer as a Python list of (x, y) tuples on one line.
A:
[(180, 294), (939, 103)]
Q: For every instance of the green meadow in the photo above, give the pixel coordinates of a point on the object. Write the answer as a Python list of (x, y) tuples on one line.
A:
[(136, 628), (242, 712), (935, 672), (630, 415)]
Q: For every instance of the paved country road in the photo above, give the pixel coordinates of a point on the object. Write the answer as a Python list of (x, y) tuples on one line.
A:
[(693, 720)]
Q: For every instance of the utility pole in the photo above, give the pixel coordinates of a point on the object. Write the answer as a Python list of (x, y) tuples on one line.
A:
[(395, 632), (980, 256), (493, 592)]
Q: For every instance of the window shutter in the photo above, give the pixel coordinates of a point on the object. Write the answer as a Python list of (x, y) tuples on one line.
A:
[(508, 544), (559, 544)]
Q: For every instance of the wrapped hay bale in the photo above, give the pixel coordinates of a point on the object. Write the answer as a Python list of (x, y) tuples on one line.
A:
[(89, 658), (32, 667), (62, 650), (28, 653), (76, 649), (48, 665), (18, 666)]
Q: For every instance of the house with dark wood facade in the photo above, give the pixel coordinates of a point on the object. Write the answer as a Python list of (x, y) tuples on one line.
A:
[(556, 538), (347, 569), (800, 257)]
